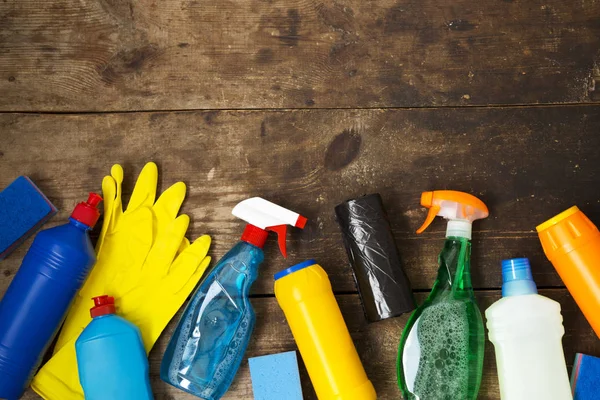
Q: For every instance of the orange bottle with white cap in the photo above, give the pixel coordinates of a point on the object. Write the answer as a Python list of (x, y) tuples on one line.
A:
[(572, 244)]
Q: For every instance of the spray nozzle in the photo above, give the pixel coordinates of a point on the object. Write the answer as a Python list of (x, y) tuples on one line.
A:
[(460, 208), (87, 212), (263, 216)]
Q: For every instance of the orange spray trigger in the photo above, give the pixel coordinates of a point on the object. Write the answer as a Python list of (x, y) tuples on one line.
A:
[(433, 212), (459, 208)]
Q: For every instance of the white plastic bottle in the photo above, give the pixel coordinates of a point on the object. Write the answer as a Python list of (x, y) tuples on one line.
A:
[(526, 330)]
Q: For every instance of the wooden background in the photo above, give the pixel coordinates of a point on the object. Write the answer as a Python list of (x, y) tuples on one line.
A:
[(308, 103)]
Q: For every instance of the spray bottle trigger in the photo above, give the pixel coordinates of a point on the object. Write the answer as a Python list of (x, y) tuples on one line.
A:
[(281, 231), (433, 211)]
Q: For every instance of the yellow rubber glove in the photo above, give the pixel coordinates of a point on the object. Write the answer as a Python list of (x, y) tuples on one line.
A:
[(144, 261), (125, 241)]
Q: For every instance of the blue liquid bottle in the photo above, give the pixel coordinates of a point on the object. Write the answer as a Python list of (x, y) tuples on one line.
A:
[(111, 359), (37, 300), (211, 338)]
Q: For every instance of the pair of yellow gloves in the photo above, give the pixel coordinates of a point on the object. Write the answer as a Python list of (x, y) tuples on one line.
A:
[(144, 261)]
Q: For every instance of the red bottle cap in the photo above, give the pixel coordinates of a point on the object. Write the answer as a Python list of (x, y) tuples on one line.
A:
[(87, 213), (103, 305), (255, 236)]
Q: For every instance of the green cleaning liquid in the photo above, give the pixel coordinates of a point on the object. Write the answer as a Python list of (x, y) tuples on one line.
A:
[(440, 356)]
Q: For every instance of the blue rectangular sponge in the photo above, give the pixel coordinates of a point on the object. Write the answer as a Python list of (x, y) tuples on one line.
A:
[(585, 378), (23, 210), (276, 377)]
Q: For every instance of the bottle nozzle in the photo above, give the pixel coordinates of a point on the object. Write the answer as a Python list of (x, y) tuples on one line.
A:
[(87, 212), (94, 199), (103, 305), (460, 208), (263, 216)]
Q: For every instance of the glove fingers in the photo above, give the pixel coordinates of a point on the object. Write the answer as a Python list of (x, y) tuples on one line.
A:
[(153, 325), (119, 264), (194, 279), (123, 261), (185, 243), (152, 305), (186, 264), (109, 191), (144, 191), (165, 248), (117, 173), (194, 254), (168, 204)]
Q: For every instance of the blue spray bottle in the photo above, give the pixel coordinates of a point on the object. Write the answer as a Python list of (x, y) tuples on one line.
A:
[(210, 340)]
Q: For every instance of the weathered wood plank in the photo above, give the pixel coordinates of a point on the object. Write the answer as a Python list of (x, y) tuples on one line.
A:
[(376, 343), (526, 163), (72, 55)]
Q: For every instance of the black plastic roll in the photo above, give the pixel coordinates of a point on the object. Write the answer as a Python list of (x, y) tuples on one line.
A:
[(382, 283)]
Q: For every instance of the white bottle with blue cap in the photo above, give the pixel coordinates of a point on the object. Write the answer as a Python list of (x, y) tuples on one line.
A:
[(526, 330)]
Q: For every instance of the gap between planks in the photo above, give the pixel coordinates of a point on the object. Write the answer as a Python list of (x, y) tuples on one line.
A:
[(191, 110)]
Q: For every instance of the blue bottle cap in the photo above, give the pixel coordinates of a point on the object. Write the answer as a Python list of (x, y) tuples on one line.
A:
[(516, 278), (294, 268)]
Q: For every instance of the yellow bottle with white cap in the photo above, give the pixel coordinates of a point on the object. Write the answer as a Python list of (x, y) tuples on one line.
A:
[(304, 294)]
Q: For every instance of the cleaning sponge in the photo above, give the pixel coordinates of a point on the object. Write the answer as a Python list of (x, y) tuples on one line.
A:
[(276, 377), (585, 378), (23, 210)]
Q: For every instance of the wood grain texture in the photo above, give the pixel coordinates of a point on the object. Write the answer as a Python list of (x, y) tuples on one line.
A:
[(527, 164), (377, 345), (76, 55)]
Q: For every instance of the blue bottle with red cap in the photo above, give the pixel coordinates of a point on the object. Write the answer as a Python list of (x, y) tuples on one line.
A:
[(37, 300), (210, 340), (111, 359)]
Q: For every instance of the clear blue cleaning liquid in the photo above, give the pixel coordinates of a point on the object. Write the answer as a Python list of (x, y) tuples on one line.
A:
[(211, 338)]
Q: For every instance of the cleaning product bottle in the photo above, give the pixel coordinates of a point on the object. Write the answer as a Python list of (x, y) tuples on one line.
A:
[(111, 358), (441, 351), (210, 340), (526, 330), (37, 300), (305, 296), (572, 244)]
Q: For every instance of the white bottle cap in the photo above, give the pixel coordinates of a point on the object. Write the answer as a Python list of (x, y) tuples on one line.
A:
[(459, 228)]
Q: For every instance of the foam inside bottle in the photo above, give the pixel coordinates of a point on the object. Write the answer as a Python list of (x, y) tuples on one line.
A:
[(442, 336)]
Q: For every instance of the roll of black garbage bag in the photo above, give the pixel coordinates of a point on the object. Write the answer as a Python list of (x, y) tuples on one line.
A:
[(382, 283)]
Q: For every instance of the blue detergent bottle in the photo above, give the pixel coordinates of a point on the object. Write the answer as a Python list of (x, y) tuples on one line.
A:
[(111, 359), (37, 300), (210, 340)]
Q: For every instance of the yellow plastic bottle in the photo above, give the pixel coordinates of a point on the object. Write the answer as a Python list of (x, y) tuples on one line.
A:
[(304, 294)]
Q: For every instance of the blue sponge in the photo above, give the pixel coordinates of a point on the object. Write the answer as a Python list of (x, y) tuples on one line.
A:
[(23, 210), (585, 378), (276, 377)]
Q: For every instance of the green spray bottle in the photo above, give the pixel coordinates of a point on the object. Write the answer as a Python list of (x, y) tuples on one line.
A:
[(440, 356)]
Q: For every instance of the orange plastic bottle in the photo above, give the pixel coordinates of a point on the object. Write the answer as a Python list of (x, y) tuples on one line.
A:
[(572, 244)]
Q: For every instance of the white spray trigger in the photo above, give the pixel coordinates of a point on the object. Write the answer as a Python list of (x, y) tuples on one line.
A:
[(266, 216), (263, 214)]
